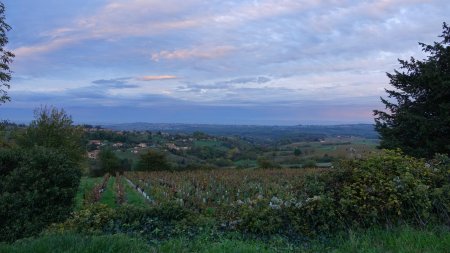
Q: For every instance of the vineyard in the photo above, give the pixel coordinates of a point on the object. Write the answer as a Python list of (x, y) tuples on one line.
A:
[(218, 191), (112, 191), (224, 193)]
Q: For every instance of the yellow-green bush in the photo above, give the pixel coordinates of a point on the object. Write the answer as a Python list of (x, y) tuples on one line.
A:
[(388, 188)]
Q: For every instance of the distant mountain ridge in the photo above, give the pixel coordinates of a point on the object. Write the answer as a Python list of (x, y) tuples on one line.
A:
[(253, 131)]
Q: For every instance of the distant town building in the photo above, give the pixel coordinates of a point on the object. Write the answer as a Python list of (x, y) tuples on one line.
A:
[(118, 145), (93, 154), (95, 142)]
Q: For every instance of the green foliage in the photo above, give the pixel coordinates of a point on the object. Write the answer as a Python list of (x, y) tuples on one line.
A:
[(385, 189), (297, 152), (388, 188), (157, 222), (309, 164), (260, 219), (440, 189), (153, 161), (37, 187), (265, 163), (109, 162), (53, 128), (5, 56), (419, 121)]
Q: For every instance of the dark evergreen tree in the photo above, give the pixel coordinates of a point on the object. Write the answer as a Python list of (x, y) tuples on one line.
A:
[(417, 119)]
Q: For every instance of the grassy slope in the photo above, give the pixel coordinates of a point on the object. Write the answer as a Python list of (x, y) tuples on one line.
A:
[(71, 243), (86, 185), (109, 195), (397, 240), (132, 197), (371, 241), (406, 239)]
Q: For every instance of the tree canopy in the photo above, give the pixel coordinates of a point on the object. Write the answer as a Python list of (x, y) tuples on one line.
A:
[(152, 161), (53, 128), (5, 57), (417, 119), (37, 188), (109, 162)]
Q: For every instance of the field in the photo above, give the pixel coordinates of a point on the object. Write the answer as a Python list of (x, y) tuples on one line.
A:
[(221, 191), (256, 210), (201, 190), (115, 192)]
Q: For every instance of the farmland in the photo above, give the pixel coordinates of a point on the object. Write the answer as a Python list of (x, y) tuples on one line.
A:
[(202, 191), (296, 147), (223, 190), (275, 210)]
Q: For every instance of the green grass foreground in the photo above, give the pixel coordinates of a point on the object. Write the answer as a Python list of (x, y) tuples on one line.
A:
[(74, 243), (405, 239)]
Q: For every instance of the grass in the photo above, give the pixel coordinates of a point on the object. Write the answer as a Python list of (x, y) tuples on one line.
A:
[(405, 239), (86, 185), (74, 243), (401, 239), (132, 197), (109, 195), (222, 246)]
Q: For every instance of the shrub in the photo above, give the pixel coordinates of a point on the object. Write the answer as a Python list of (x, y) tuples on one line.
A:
[(387, 188), (157, 222), (309, 164), (440, 195), (37, 187)]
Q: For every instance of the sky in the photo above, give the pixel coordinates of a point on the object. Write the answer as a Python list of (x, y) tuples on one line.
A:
[(264, 62)]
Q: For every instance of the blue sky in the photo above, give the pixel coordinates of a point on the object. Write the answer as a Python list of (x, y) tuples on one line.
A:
[(229, 62)]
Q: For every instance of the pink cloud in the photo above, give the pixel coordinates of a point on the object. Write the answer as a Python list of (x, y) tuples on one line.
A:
[(155, 78), (182, 54)]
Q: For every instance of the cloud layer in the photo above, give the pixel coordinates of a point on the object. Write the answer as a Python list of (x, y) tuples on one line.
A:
[(327, 56)]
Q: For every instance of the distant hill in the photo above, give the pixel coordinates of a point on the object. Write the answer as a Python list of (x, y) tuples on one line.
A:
[(256, 132)]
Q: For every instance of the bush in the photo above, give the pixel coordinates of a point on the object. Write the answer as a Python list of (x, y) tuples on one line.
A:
[(37, 188), (388, 188), (309, 164), (440, 195), (385, 189), (157, 222)]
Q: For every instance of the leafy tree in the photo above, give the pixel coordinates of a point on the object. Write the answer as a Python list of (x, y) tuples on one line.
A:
[(297, 152), (53, 128), (5, 57), (109, 162), (309, 164), (417, 119), (264, 163), (37, 188), (153, 160)]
